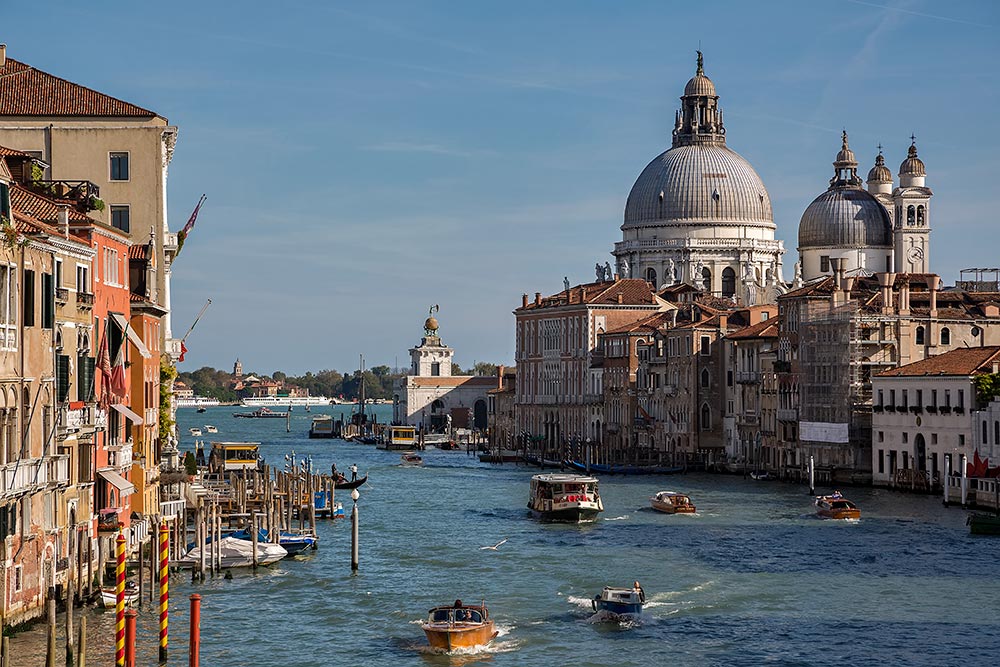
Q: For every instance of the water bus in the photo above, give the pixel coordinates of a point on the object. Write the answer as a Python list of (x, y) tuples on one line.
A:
[(234, 456), (321, 427), (564, 497)]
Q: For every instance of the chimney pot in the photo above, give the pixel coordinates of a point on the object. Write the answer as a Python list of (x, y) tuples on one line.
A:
[(524, 301), (538, 298), (621, 298), (3, 55)]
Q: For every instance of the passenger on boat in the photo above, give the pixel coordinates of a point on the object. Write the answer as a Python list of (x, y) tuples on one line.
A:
[(638, 589), (836, 495)]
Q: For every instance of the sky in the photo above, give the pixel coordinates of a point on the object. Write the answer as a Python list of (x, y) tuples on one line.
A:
[(363, 161)]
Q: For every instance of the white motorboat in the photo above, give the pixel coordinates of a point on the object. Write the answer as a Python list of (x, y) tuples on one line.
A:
[(211, 429), (196, 432), (238, 553), (109, 595)]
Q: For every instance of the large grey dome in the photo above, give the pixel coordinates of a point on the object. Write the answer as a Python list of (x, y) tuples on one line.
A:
[(698, 184), (845, 216)]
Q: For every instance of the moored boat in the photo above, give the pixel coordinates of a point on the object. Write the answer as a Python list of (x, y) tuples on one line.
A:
[(620, 602), (210, 429), (290, 541), (606, 469), (562, 497), (109, 595), (238, 553), (501, 456), (451, 627), (671, 502), (321, 427), (835, 506)]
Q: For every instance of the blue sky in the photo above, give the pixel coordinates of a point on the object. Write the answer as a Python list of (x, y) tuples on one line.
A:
[(363, 161)]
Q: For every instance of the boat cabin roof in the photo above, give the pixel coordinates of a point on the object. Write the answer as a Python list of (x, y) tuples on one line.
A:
[(613, 594), (670, 494), (563, 478), (235, 445)]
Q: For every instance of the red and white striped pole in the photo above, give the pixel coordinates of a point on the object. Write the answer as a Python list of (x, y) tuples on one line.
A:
[(120, 601), (164, 588)]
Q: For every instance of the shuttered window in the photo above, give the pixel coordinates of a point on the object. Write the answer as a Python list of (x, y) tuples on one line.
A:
[(84, 378), (48, 304), (62, 378), (29, 298)]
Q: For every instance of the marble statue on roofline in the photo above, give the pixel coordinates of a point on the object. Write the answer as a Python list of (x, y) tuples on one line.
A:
[(608, 275)]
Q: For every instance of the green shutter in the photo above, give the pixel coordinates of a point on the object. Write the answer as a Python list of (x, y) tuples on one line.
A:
[(62, 378), (28, 292), (84, 378), (48, 301)]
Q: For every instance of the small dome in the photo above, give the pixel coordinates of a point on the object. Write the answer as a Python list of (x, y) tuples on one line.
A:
[(912, 165), (880, 173), (431, 324), (699, 85), (845, 217), (845, 158)]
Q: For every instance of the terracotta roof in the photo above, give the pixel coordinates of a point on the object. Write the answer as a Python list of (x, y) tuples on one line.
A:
[(139, 251), (633, 291), (11, 152), (766, 329), (454, 381), (649, 324), (26, 91), (961, 361), (41, 207)]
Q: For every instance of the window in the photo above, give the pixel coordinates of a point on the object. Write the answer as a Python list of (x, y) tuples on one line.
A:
[(651, 276), (728, 282), (910, 215), (920, 215), (881, 397), (881, 438), (8, 307), (996, 432), (824, 263), (961, 399), (435, 368), (961, 440), (729, 378), (706, 276), (933, 438), (706, 417), (119, 218), (934, 398), (29, 298), (920, 336), (4, 200), (985, 434), (119, 166), (881, 461), (82, 279), (111, 266), (706, 379), (706, 346), (946, 336)]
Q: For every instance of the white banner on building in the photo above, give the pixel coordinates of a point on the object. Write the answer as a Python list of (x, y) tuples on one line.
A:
[(823, 432)]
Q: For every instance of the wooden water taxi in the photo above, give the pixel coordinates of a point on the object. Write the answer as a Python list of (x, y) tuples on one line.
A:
[(836, 507), (620, 602), (671, 502), (411, 459), (562, 497), (456, 626)]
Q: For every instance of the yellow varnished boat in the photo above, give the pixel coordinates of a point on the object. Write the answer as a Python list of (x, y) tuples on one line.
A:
[(457, 626), (836, 507), (671, 502)]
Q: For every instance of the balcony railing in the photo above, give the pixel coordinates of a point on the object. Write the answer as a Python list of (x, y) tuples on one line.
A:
[(84, 299), (84, 193), (28, 475), (748, 377), (57, 470), (62, 295), (121, 456), (747, 420)]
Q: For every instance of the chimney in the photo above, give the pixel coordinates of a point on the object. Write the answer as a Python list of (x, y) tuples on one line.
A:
[(524, 301), (617, 277), (673, 318), (538, 298), (885, 286), (934, 282), (64, 220), (996, 367), (621, 298), (837, 296), (500, 370), (723, 323), (848, 286), (3, 55)]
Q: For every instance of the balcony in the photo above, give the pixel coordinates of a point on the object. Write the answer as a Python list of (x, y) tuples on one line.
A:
[(120, 457), (170, 244), (173, 348), (62, 295), (788, 414), (107, 520), (85, 194), (57, 470), (747, 419), (748, 377), (85, 299), (29, 475)]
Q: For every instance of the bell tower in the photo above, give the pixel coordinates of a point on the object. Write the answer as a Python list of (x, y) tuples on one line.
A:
[(911, 216)]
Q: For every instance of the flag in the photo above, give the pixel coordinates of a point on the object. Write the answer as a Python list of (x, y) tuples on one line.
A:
[(118, 386), (183, 351), (194, 216), (104, 361)]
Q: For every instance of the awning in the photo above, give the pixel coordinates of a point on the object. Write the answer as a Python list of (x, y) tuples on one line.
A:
[(132, 336), (128, 414), (114, 479)]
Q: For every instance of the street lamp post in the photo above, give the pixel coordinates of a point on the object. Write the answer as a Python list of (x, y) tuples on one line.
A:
[(354, 531)]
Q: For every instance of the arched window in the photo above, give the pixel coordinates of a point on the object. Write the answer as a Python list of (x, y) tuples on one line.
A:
[(946, 336), (920, 215), (651, 276), (706, 379), (911, 212), (706, 417), (920, 336), (728, 282), (706, 281)]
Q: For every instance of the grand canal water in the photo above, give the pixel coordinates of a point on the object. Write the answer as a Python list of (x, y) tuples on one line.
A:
[(752, 578)]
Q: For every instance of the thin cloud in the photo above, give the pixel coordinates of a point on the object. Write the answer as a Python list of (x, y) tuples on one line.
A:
[(434, 149), (921, 14)]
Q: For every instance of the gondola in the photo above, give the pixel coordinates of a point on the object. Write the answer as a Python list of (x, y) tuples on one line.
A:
[(344, 483)]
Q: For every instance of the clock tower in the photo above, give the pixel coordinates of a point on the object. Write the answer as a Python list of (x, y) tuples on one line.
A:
[(911, 216)]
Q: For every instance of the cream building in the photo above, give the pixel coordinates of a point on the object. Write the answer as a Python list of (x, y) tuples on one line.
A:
[(91, 139), (699, 213), (434, 399)]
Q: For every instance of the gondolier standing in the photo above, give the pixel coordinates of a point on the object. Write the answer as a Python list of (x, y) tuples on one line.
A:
[(354, 472)]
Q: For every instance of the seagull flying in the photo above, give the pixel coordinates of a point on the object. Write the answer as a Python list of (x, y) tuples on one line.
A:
[(495, 546)]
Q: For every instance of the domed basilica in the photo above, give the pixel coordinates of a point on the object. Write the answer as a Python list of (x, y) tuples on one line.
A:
[(699, 213)]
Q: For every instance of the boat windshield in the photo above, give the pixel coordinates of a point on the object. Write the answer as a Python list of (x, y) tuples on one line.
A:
[(460, 615)]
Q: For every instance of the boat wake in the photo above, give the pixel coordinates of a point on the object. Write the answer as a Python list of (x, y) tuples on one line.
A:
[(616, 518), (624, 621), (582, 603)]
